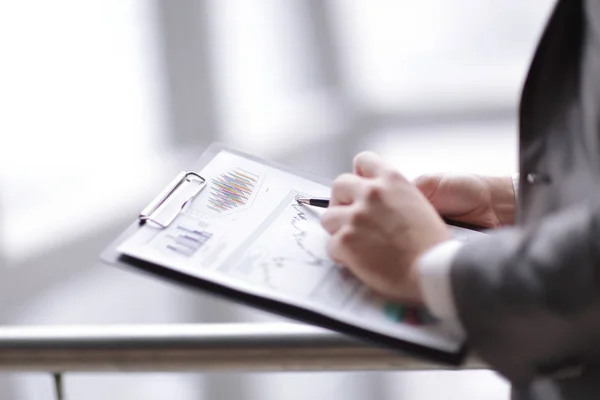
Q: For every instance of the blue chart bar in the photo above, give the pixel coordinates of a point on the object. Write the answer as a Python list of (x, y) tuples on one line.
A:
[(188, 241)]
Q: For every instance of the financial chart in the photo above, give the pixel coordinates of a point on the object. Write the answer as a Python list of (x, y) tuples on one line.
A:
[(187, 241), (290, 256), (231, 190), (186, 237), (205, 230), (303, 235)]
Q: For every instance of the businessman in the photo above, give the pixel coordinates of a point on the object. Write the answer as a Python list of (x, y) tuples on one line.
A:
[(528, 294)]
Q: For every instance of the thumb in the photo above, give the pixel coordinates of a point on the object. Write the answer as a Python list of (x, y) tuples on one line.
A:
[(428, 184)]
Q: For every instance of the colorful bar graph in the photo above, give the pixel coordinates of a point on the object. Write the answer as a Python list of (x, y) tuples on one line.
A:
[(231, 190), (408, 314)]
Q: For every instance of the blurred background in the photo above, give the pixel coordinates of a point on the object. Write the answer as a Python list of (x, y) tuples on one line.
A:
[(102, 102)]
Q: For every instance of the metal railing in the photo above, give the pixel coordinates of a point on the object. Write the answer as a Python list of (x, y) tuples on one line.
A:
[(198, 347)]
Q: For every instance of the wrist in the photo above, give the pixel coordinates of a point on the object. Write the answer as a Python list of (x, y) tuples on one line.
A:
[(502, 199)]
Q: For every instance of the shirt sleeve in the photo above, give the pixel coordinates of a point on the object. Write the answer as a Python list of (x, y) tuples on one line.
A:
[(434, 271)]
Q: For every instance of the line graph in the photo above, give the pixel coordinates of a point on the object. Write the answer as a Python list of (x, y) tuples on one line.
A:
[(299, 235), (300, 242), (289, 255), (231, 190)]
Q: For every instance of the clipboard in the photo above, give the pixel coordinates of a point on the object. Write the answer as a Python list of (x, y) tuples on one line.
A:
[(174, 197)]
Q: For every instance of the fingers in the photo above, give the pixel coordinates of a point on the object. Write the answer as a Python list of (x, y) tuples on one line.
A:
[(338, 246), (369, 165), (345, 190), (335, 217)]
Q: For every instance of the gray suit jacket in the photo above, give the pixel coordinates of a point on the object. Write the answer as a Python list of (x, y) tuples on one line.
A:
[(529, 296)]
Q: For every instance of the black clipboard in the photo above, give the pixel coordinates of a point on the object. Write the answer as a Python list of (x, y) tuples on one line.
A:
[(291, 311)]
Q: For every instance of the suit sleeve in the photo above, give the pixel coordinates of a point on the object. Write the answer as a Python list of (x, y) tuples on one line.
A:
[(529, 298)]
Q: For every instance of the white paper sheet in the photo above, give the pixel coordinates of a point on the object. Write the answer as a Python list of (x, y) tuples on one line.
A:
[(246, 231)]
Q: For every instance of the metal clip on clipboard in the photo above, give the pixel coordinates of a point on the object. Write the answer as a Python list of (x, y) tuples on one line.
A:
[(170, 202)]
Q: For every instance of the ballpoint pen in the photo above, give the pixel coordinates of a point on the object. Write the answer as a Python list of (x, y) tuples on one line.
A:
[(324, 203), (314, 201)]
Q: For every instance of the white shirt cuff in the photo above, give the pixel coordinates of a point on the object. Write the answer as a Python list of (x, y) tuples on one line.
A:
[(434, 270)]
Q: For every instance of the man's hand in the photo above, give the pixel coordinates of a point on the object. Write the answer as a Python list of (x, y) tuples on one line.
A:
[(380, 224), (488, 202)]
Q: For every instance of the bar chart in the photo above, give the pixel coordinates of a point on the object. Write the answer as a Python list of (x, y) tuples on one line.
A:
[(231, 190), (186, 241)]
